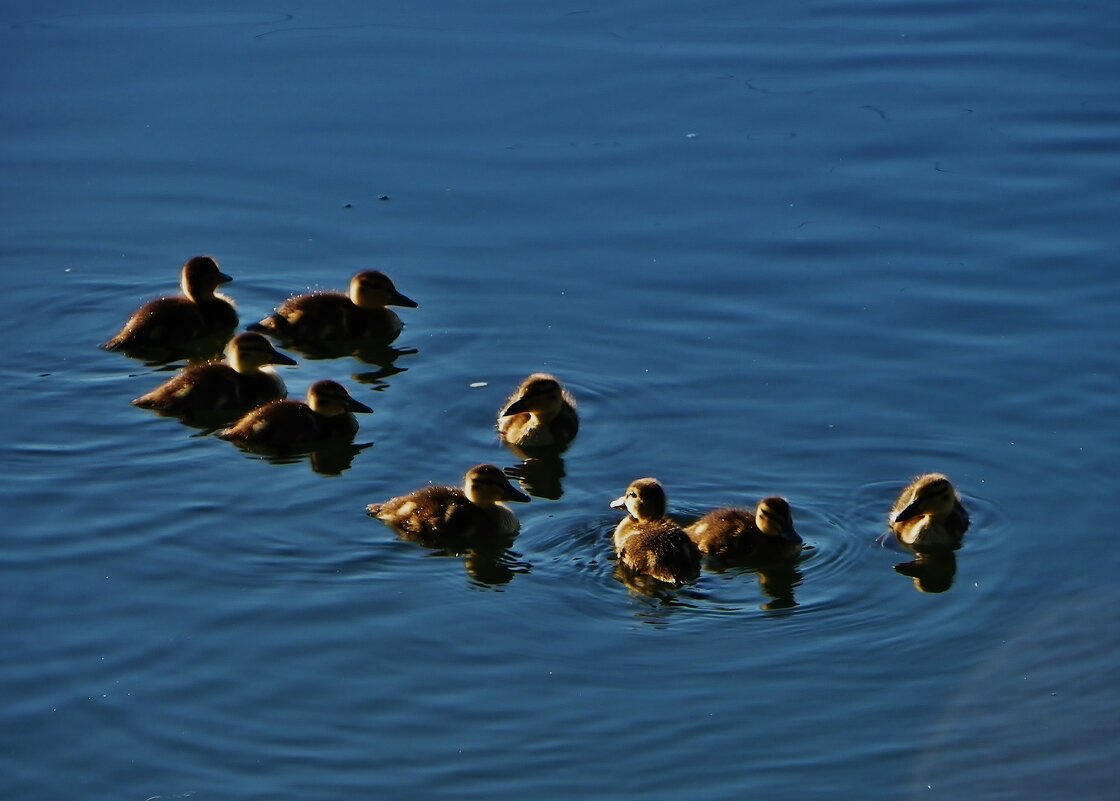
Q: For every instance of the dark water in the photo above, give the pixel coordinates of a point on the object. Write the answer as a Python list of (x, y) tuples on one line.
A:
[(811, 249)]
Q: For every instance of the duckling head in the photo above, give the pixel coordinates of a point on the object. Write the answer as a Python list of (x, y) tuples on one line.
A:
[(931, 495), (774, 519), (330, 399), (540, 395), (199, 278), (372, 289), (644, 499), (249, 352), (487, 485)]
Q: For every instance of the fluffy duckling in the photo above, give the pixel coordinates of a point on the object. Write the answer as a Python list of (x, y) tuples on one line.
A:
[(176, 321), (764, 533), (325, 316), (435, 512), (286, 425), (539, 413), (929, 514), (242, 381), (649, 543)]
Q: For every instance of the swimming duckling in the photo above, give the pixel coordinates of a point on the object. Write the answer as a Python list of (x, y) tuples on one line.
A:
[(648, 542), (433, 512), (237, 383), (539, 413), (286, 425), (929, 514), (176, 321), (325, 316), (764, 533)]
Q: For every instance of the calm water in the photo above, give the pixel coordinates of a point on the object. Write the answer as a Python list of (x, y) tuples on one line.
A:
[(810, 248)]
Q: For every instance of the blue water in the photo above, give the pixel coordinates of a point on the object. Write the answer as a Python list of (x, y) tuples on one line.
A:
[(810, 249)]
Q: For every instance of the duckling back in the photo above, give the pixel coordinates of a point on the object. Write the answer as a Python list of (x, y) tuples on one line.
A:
[(658, 549), (431, 513), (213, 386)]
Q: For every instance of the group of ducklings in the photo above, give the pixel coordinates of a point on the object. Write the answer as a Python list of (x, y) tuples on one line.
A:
[(539, 416)]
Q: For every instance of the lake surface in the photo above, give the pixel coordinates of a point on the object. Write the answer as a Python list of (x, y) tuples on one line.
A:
[(811, 249)]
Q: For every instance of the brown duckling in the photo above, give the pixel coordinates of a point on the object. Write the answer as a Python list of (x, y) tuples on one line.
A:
[(764, 533), (929, 514), (649, 543), (287, 425), (539, 413), (176, 321), (438, 512), (326, 316), (242, 381)]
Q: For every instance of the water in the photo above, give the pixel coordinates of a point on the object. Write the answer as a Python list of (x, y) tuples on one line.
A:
[(810, 249)]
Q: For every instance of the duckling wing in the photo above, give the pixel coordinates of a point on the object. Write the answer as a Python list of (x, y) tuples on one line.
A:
[(201, 387), (281, 424), (163, 322), (430, 513)]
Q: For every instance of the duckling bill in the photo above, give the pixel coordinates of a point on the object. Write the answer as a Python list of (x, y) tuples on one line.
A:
[(449, 512), (760, 534), (244, 380), (649, 543), (540, 413), (177, 321), (929, 514), (284, 426), (320, 317)]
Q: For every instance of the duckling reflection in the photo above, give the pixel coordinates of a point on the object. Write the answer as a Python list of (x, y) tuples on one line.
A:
[(932, 571), (244, 380), (285, 426), (541, 476), (765, 533), (322, 318), (177, 322), (929, 514), (539, 414), (647, 542), (437, 513)]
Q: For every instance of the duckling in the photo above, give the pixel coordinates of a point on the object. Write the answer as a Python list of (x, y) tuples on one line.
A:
[(325, 316), (764, 533), (242, 381), (176, 321), (286, 425), (929, 514), (434, 512), (539, 413), (648, 542)]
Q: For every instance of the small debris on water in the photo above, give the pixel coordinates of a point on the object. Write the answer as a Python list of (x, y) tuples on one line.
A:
[(477, 384)]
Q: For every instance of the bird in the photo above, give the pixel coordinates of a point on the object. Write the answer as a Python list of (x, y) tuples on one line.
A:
[(242, 381), (929, 514), (319, 317), (539, 413), (449, 512), (763, 533), (176, 321), (647, 542), (288, 425)]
